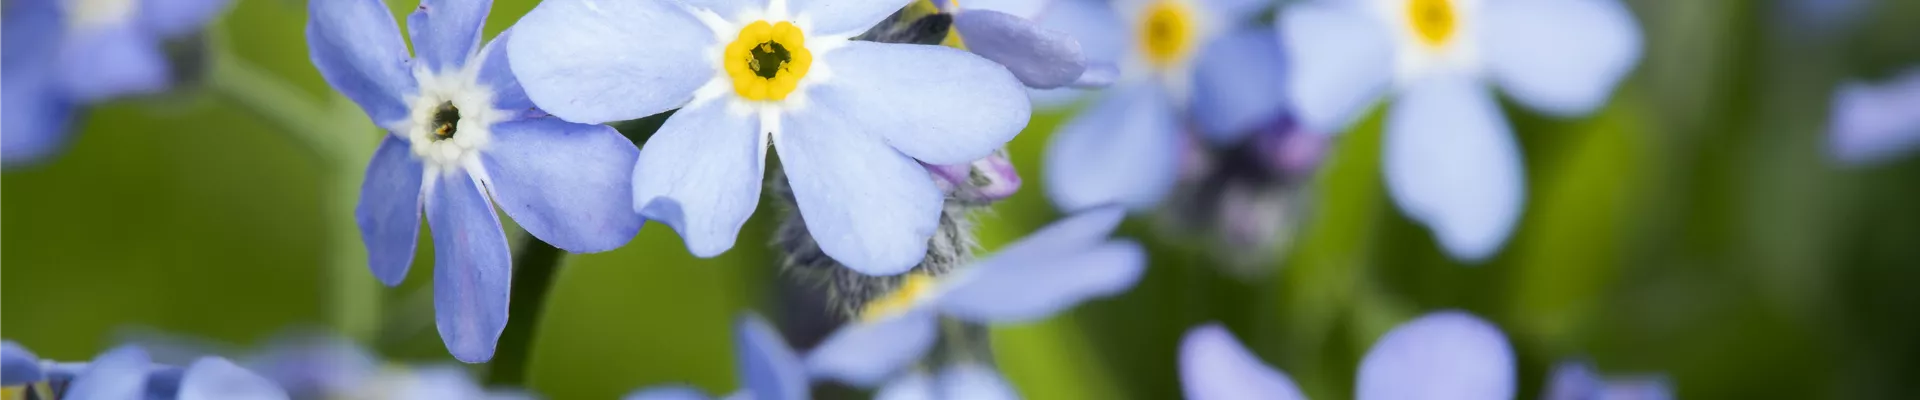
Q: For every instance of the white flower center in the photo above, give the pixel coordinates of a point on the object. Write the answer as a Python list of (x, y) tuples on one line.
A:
[(1433, 36), (449, 119), (85, 15)]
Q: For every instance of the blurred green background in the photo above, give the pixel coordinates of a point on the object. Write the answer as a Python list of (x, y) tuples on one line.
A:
[(1696, 227)]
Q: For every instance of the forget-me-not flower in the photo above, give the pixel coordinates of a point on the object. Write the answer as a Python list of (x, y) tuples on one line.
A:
[(464, 138), (1005, 31), (769, 369), (127, 372), (57, 56), (1872, 123), (1060, 266), (849, 118), (1181, 62), (1450, 157), (1447, 355)]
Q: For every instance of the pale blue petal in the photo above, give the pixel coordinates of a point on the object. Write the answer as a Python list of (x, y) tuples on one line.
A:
[(865, 353), (34, 111), (768, 368), (439, 382), (1214, 366), (1098, 75), (446, 33), (842, 17), (914, 385), (1042, 58), (870, 207), (1446, 355), (1341, 61), (215, 378), (1022, 289), (1019, 8), (1572, 380), (1239, 85), (567, 184), (732, 10), (308, 364), (1561, 57), (497, 74), (601, 61), (1078, 232), (121, 373), (1451, 163), (174, 18), (1875, 122), (937, 104), (974, 382), (356, 46), (1124, 150), (471, 268), (701, 174), (1103, 36), (17, 365), (667, 393), (389, 209), (1234, 11), (113, 61)]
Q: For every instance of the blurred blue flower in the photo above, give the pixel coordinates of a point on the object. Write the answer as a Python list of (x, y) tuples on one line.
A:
[(463, 133), (1577, 381), (314, 366), (1446, 355), (768, 368), (58, 56), (127, 372), (1060, 266), (1204, 57), (964, 381), (850, 118), (1004, 31), (1451, 161), (1876, 122)]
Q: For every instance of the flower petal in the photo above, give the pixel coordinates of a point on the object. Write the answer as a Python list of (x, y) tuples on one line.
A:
[(1019, 8), (843, 17), (1214, 366), (215, 378), (18, 366), (1446, 355), (446, 33), (34, 114), (1102, 34), (1574, 380), (1561, 57), (1340, 61), (1233, 12), (1239, 85), (497, 74), (437, 382), (120, 373), (1080, 231), (870, 207), (701, 174), (1041, 58), (471, 268), (914, 385), (964, 381), (389, 209), (1451, 163), (566, 183), (174, 18), (1873, 123), (1021, 289), (113, 61), (864, 353), (356, 46), (667, 393), (1125, 150), (768, 368), (937, 104), (595, 62)]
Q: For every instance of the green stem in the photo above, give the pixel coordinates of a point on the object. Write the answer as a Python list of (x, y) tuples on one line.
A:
[(276, 101), (534, 266)]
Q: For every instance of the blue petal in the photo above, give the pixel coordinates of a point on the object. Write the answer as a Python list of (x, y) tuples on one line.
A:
[(497, 75), (1872, 123), (1239, 85), (937, 104), (1562, 57), (865, 353), (1010, 289), (389, 209), (309, 364), (973, 381), (1098, 75), (1027, 9), (843, 17), (667, 393), (215, 378), (356, 46), (1451, 163), (1082, 231), (870, 207), (17, 365), (565, 183), (447, 32), (1573, 380), (1234, 11), (34, 112), (1102, 34), (175, 18), (594, 62), (113, 61), (121, 373), (1446, 355), (471, 268), (732, 10), (1040, 57), (438, 382), (769, 369), (1341, 61), (1214, 366), (1125, 150), (914, 385), (700, 174)]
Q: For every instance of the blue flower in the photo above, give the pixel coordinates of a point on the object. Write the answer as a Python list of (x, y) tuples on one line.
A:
[(1447, 355), (1201, 57), (849, 118), (1004, 31), (62, 55), (1451, 162), (768, 368), (1056, 268), (128, 373), (326, 367), (1873, 123), (464, 138), (1573, 380), (963, 381)]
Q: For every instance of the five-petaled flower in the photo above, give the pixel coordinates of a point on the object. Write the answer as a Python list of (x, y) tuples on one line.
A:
[(463, 138), (849, 118), (1445, 355), (1450, 159)]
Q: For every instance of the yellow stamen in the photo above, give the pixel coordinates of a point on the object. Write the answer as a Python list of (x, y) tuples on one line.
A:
[(1433, 21), (767, 61), (910, 291), (1166, 34)]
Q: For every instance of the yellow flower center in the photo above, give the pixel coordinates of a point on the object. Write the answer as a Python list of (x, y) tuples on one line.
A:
[(1434, 21), (1166, 34), (910, 291), (767, 61)]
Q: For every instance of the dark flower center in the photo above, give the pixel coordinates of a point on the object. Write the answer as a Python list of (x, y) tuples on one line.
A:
[(446, 120), (768, 59)]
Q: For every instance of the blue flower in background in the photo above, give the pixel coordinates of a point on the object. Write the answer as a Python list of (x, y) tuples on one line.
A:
[(463, 138), (1004, 31), (1446, 355), (326, 367), (1577, 381), (1203, 57), (58, 56), (849, 118), (1450, 158), (1060, 266), (768, 368), (1872, 123), (127, 373)]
